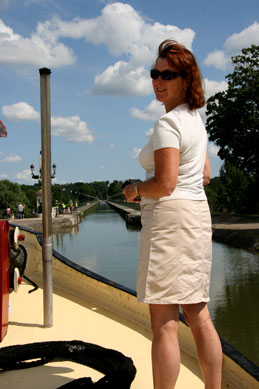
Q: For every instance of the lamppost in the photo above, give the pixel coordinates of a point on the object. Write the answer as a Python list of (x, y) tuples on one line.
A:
[(39, 178), (46, 197)]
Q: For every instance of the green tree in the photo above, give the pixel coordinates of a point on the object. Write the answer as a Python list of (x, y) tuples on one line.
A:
[(101, 189), (233, 115), (115, 189), (212, 191), (88, 190), (232, 192), (30, 192), (10, 196), (57, 193)]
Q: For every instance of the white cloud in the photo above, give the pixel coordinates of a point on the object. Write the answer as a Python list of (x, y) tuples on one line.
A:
[(20, 111), (119, 27), (24, 176), (135, 153), (11, 158), (149, 132), (245, 38), (218, 59), (137, 40), (152, 112), (213, 150), (3, 176), (212, 87), (221, 59), (125, 33), (122, 79), (40, 49), (123, 30), (72, 129)]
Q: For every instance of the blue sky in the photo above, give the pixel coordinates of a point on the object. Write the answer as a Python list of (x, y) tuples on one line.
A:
[(100, 53)]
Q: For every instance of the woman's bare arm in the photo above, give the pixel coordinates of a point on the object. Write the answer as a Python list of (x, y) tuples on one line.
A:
[(206, 171), (164, 181)]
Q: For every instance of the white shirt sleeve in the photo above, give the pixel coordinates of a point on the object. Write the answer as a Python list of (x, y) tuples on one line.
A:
[(166, 134)]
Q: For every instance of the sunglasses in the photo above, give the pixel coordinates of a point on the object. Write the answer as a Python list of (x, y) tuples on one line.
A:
[(166, 75)]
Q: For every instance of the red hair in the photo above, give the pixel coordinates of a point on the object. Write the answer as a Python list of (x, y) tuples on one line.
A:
[(185, 63)]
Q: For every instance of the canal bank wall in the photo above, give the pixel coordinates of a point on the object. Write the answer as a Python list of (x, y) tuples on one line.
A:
[(60, 222), (131, 216), (240, 232)]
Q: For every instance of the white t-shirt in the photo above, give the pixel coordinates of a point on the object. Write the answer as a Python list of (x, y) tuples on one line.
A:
[(184, 130), (20, 207)]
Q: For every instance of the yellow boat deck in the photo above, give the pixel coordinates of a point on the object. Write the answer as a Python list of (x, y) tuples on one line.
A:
[(88, 308), (75, 319)]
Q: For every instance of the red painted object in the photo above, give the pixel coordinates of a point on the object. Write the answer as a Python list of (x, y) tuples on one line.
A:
[(4, 276)]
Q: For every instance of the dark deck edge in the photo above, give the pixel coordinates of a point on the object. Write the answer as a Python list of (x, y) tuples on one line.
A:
[(228, 349)]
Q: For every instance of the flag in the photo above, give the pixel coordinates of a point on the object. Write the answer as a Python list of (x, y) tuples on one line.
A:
[(3, 132)]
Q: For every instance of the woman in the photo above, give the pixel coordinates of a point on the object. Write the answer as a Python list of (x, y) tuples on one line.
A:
[(175, 242)]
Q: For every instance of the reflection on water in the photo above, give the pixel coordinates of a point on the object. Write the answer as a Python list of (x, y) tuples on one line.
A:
[(63, 238), (103, 244), (234, 298)]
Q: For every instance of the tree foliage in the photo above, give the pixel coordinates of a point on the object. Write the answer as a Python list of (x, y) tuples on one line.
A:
[(10, 196), (30, 192), (237, 191), (12, 193), (233, 115), (212, 191), (233, 191)]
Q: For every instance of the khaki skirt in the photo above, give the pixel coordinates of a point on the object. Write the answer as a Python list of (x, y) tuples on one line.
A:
[(175, 252)]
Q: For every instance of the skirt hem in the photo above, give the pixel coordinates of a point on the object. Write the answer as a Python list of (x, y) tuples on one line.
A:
[(150, 301)]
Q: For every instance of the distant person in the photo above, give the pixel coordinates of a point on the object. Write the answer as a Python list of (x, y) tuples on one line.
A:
[(57, 208), (20, 210), (8, 212), (175, 248), (60, 208), (39, 209)]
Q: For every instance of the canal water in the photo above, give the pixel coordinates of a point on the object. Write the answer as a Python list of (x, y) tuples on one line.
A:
[(103, 244)]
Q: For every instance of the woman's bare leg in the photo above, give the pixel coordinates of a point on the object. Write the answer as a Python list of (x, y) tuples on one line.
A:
[(207, 343), (165, 347)]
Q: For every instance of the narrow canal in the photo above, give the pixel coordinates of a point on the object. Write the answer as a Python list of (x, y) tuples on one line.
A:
[(103, 243)]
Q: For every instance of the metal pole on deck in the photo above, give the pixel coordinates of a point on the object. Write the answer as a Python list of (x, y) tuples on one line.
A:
[(46, 196)]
